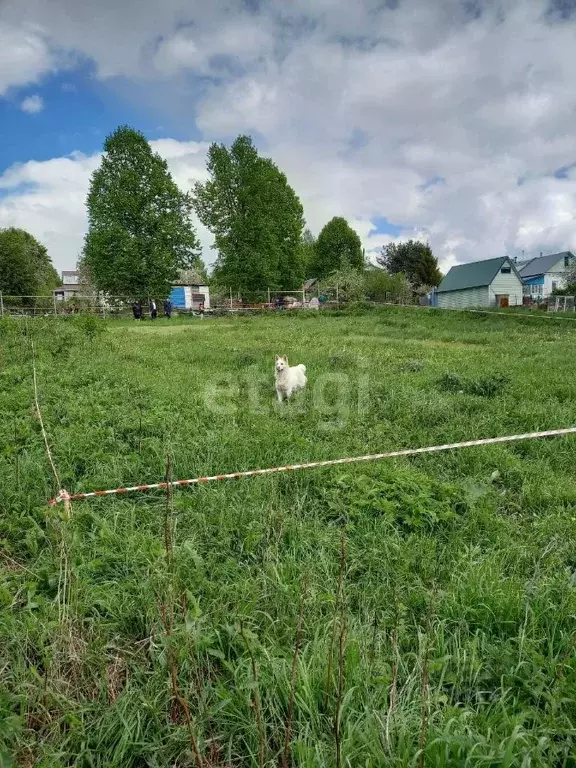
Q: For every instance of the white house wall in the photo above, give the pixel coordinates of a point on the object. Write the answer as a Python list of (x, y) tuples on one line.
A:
[(554, 278), (206, 291), (508, 285), (466, 298), (190, 290), (556, 275)]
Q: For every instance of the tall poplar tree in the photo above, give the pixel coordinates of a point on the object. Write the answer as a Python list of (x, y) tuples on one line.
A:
[(140, 231), (255, 216)]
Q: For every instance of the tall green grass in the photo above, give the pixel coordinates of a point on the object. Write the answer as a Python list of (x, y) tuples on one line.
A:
[(415, 612)]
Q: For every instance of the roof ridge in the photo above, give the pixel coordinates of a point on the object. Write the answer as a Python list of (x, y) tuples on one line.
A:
[(474, 274)]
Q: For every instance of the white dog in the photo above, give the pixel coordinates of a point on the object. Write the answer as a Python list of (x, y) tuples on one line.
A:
[(288, 379)]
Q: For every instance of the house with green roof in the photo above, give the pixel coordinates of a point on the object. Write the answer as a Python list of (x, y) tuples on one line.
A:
[(488, 283)]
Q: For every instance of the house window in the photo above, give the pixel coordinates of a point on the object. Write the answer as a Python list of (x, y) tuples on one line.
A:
[(532, 290), (554, 285), (506, 270), (566, 261)]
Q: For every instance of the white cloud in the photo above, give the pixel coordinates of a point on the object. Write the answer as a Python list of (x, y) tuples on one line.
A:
[(24, 55), (48, 198), (32, 104), (363, 104)]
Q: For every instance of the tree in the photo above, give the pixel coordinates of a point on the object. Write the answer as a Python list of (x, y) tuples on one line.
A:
[(348, 280), (569, 283), (381, 286), (140, 232), (306, 252), (338, 245), (25, 267), (255, 217), (414, 259)]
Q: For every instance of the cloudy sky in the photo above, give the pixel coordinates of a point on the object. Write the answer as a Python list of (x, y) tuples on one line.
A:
[(453, 120)]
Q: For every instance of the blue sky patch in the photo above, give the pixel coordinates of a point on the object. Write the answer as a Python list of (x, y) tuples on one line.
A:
[(564, 171), (78, 113), (385, 227), (433, 181)]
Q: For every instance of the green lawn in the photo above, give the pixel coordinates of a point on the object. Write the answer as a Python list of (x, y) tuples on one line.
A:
[(434, 595)]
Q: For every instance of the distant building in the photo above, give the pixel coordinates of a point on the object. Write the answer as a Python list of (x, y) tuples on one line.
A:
[(70, 287), (543, 275), (189, 292), (489, 283), (310, 285)]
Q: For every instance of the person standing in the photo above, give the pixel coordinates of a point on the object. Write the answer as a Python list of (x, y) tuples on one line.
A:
[(153, 310), (137, 310), (168, 308)]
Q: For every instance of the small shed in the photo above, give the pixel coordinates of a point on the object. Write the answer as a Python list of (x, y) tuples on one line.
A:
[(189, 292), (488, 283), (190, 296)]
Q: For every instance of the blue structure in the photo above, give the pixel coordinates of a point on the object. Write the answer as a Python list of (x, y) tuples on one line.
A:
[(538, 280), (178, 297), (543, 275)]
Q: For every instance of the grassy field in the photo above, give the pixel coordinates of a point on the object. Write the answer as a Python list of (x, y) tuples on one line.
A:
[(417, 612)]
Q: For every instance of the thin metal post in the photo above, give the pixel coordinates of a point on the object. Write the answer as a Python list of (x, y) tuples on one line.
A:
[(230, 298), (337, 297), (1, 305), (55, 310)]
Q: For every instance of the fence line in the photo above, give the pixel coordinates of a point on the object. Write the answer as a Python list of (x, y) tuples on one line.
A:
[(63, 495), (528, 313), (60, 308)]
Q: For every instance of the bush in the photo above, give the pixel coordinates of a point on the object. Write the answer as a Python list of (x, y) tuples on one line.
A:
[(381, 286), (486, 386), (408, 500), (91, 326), (348, 280)]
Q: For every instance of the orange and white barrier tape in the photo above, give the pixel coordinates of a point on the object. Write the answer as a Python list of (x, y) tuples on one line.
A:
[(63, 495)]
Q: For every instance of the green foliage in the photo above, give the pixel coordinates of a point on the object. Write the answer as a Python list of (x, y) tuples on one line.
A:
[(570, 283), (255, 217), (348, 280), (91, 326), (457, 599), (140, 232), (337, 246), (485, 386), (381, 286), (414, 259), (306, 254), (25, 267), (409, 500)]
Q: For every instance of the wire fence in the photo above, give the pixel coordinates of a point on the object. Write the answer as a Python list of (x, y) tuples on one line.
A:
[(111, 307), (222, 300), (226, 301)]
